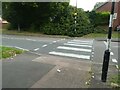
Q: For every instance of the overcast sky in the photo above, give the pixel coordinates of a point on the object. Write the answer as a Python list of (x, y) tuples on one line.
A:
[(85, 4)]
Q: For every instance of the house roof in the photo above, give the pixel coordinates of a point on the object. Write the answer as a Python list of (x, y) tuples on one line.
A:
[(101, 5)]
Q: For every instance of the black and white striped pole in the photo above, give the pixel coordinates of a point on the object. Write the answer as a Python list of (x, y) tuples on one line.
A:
[(75, 15), (107, 51)]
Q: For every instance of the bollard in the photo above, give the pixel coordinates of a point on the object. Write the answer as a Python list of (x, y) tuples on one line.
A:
[(107, 52), (105, 65)]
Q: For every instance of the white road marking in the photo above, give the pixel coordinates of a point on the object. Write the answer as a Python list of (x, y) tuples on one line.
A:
[(75, 49), (17, 47), (35, 53), (111, 53), (21, 48), (54, 41), (28, 39), (36, 49), (92, 53), (70, 55), (92, 56), (44, 45), (117, 66), (13, 38), (114, 60), (105, 44), (82, 41), (77, 45), (21, 39)]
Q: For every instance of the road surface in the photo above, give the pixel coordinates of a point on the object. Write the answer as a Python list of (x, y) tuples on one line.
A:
[(67, 51), (72, 48)]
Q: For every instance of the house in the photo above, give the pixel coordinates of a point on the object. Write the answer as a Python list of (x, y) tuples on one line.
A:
[(107, 7)]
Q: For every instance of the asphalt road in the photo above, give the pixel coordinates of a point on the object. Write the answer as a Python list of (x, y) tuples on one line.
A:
[(84, 49), (73, 48)]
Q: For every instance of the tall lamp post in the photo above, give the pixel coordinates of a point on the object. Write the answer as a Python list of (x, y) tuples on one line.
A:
[(107, 52)]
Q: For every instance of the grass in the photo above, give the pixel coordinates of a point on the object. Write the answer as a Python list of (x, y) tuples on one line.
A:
[(15, 32), (4, 30), (101, 35), (115, 81), (25, 33), (6, 52)]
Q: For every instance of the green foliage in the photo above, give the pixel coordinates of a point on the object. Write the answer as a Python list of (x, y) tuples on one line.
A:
[(99, 18), (54, 18)]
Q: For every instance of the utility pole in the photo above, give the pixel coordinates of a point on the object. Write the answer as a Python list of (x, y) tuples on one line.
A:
[(107, 51)]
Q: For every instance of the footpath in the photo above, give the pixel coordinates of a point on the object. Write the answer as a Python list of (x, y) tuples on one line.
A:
[(45, 71), (96, 68)]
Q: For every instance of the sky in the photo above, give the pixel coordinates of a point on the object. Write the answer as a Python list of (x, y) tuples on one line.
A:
[(85, 4)]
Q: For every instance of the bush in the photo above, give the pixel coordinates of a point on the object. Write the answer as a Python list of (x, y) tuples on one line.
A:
[(99, 18), (50, 18)]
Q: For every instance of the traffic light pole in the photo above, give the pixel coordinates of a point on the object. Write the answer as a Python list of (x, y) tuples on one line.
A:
[(107, 52)]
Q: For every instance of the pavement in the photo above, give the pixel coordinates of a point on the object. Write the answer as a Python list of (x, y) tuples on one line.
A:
[(97, 63), (57, 63), (32, 71), (21, 72), (66, 73)]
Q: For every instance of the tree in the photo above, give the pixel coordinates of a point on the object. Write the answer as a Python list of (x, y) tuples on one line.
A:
[(46, 17)]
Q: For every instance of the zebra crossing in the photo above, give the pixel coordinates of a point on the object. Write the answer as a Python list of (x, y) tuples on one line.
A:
[(81, 49)]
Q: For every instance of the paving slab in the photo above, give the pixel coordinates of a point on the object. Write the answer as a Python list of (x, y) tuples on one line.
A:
[(68, 73), (96, 68), (22, 73)]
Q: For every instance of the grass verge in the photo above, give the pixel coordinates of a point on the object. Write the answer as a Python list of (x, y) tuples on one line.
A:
[(4, 30), (26, 33), (6, 52), (101, 35), (115, 81)]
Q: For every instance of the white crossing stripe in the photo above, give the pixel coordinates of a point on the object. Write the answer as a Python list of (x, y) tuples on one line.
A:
[(70, 55), (86, 43), (82, 41), (77, 45), (44, 45), (36, 49), (54, 41), (114, 60), (75, 49)]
